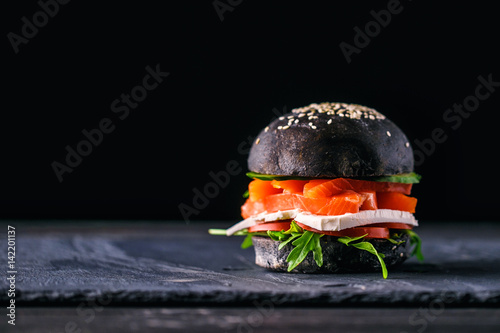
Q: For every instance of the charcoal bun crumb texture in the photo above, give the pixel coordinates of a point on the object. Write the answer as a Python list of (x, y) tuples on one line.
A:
[(337, 257), (329, 140)]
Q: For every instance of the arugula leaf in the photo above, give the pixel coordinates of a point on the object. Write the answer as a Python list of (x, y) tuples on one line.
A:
[(417, 241), (365, 246), (299, 253), (222, 232), (247, 242), (346, 239), (261, 176), (284, 236), (407, 178), (395, 242), (295, 231), (219, 232), (293, 236), (317, 251), (277, 235), (294, 227), (307, 242)]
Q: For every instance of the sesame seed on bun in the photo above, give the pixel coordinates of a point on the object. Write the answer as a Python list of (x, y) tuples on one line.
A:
[(330, 140)]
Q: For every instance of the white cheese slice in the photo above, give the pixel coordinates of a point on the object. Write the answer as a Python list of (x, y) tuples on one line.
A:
[(262, 218), (329, 222)]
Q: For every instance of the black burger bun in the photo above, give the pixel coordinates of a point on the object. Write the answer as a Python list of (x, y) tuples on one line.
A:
[(337, 257), (330, 140)]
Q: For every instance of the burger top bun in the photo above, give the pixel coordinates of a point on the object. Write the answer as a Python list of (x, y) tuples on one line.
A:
[(330, 140)]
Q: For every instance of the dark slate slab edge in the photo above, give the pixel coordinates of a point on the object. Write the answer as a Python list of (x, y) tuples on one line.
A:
[(184, 266), (224, 297)]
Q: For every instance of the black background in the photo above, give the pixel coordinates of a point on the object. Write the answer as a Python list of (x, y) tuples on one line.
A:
[(228, 79)]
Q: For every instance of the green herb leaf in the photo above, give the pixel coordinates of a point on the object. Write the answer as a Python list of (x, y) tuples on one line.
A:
[(294, 227), (393, 241), (261, 176), (365, 246), (317, 251), (299, 253), (222, 232), (246, 194), (346, 239), (307, 242), (292, 237), (278, 235), (407, 178), (247, 242), (219, 232), (286, 237), (416, 241)]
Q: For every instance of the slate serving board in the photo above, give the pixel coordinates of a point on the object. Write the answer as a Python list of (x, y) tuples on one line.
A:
[(172, 263)]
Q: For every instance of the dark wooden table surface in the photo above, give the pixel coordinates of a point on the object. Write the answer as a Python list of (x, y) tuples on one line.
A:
[(90, 276)]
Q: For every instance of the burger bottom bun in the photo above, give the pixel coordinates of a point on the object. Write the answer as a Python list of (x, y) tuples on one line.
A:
[(337, 257)]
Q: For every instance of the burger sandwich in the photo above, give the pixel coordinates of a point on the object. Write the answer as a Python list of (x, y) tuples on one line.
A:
[(330, 192)]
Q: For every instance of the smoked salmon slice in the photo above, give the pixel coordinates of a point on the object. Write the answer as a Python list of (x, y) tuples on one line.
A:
[(326, 196), (259, 189), (346, 202), (319, 188), (370, 200), (283, 201), (397, 201), (290, 186)]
